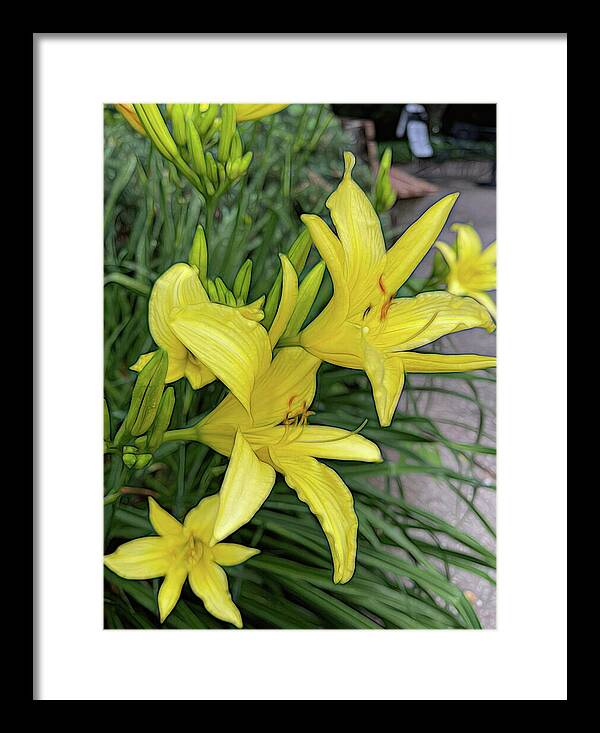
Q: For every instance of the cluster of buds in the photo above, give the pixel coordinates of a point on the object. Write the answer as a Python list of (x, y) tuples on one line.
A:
[(203, 142), (148, 417), (385, 196)]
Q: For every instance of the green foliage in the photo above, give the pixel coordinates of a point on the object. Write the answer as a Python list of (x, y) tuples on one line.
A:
[(406, 555)]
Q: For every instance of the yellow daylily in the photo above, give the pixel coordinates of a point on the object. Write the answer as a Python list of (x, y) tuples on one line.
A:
[(364, 326), (206, 340), (184, 551), (245, 112), (129, 113), (276, 437), (472, 269)]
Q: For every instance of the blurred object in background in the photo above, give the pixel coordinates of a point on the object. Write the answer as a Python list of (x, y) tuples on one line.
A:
[(433, 141), (414, 123)]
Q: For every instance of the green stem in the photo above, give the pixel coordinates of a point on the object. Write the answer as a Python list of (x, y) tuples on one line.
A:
[(180, 434)]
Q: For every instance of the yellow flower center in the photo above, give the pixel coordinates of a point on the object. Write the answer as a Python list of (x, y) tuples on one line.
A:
[(194, 549)]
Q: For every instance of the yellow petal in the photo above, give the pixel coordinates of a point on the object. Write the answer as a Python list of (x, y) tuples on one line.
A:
[(147, 557), (247, 483), (325, 326), (468, 243), (414, 244), (234, 348), (218, 428), (209, 583), (445, 363), (129, 113), (227, 553), (488, 256), (320, 441), (164, 523), (170, 589), (330, 500), (178, 286), (359, 230), (177, 367), (288, 385), (197, 374), (386, 374), (244, 112), (486, 301), (447, 253), (414, 322), (287, 303), (201, 519)]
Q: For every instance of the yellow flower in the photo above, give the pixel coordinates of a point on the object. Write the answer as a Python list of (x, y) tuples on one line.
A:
[(205, 340), (472, 269), (277, 438), (245, 112), (184, 551), (364, 326), (130, 115)]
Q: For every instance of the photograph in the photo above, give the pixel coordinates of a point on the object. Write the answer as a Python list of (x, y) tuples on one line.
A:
[(299, 366), (299, 427)]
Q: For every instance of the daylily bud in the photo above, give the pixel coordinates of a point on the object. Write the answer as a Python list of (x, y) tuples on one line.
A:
[(129, 459), (162, 420), (241, 284), (157, 130), (207, 119), (245, 162), (385, 196), (212, 291), (199, 254), (236, 149), (143, 460), (179, 126), (227, 132), (222, 290), (130, 115), (195, 147), (146, 395), (297, 255), (307, 292)]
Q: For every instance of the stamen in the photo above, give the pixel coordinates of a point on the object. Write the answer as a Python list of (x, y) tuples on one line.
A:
[(422, 329)]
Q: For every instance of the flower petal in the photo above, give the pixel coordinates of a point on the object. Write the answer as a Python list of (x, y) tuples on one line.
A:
[(227, 553), (164, 523), (170, 589), (330, 500), (201, 519), (359, 230), (197, 375), (468, 243), (209, 583), (386, 374), (288, 385), (235, 349), (177, 366), (321, 441), (488, 256), (414, 244), (147, 557), (414, 322), (287, 302), (218, 428), (486, 301), (244, 112), (178, 286), (247, 483), (331, 250), (444, 363), (448, 253)]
